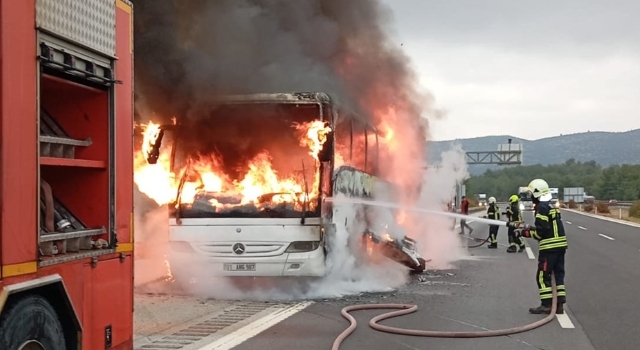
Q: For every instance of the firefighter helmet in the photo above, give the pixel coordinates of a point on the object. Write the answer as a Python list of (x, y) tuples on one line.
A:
[(514, 198), (538, 188), (492, 200)]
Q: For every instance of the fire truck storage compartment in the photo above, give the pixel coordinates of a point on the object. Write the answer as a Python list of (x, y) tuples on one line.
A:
[(100, 290), (76, 119)]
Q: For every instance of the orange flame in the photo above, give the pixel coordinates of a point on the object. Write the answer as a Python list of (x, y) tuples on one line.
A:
[(204, 174), (316, 136)]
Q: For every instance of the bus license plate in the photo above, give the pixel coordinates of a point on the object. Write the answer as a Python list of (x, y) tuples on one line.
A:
[(239, 267)]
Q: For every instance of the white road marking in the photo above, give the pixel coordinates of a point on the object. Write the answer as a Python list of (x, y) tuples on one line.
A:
[(564, 320), (568, 222), (600, 217), (243, 334), (582, 228), (529, 253), (607, 237)]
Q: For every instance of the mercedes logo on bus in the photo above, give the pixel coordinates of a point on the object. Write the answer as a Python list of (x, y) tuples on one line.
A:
[(238, 248)]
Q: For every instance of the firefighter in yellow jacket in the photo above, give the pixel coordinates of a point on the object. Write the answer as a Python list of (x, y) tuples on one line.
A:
[(549, 231), (514, 215), (493, 213)]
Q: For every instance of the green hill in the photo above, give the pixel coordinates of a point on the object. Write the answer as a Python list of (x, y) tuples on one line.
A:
[(606, 148)]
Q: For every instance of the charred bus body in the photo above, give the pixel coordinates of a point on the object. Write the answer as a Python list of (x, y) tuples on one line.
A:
[(258, 209)]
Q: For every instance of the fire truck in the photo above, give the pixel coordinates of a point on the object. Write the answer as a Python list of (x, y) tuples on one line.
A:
[(66, 238)]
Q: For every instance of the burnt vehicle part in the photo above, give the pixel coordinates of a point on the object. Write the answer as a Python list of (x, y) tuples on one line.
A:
[(402, 251), (267, 208)]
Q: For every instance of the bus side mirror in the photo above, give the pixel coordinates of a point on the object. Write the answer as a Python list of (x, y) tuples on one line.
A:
[(326, 152)]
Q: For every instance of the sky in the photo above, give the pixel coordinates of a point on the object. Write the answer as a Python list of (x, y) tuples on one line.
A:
[(530, 69)]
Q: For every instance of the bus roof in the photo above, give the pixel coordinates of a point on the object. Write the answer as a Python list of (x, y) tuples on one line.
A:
[(280, 97), (294, 98)]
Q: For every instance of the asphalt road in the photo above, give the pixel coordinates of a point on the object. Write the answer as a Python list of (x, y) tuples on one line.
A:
[(603, 280), (490, 290)]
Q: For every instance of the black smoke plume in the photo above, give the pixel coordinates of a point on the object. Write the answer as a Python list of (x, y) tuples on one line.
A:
[(187, 51)]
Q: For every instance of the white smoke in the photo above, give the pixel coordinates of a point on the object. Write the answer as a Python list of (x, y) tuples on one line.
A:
[(436, 236), (351, 271), (151, 245)]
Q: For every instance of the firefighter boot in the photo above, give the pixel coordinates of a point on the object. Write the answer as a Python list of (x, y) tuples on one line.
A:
[(511, 249), (543, 309), (521, 249), (492, 246)]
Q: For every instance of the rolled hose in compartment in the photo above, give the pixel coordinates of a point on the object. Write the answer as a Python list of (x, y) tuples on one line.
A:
[(405, 309)]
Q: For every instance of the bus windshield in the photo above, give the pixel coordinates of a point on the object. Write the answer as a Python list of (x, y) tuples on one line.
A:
[(250, 160)]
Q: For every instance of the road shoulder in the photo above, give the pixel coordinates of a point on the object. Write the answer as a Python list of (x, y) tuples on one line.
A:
[(618, 221)]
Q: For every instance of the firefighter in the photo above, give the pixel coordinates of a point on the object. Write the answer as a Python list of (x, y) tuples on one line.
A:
[(549, 231), (514, 215), (493, 213)]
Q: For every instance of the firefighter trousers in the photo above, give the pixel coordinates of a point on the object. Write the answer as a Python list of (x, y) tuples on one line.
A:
[(548, 262), (493, 233), (514, 238)]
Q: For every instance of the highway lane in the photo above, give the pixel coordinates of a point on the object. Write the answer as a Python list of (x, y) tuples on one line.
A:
[(489, 290), (625, 234)]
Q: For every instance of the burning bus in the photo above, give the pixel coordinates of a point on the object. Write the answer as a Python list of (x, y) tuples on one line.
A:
[(248, 181)]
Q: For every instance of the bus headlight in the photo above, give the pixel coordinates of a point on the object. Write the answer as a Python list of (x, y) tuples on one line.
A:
[(303, 246)]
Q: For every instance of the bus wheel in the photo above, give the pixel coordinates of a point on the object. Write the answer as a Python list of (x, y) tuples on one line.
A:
[(30, 323)]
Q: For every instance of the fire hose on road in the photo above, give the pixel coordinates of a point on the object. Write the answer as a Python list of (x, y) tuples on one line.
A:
[(405, 309), (482, 242)]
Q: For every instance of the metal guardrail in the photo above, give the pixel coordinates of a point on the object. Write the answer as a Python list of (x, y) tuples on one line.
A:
[(619, 204), (622, 204)]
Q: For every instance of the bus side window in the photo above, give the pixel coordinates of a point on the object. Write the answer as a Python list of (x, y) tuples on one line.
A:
[(343, 141), (360, 155), (328, 148), (372, 151), (325, 153)]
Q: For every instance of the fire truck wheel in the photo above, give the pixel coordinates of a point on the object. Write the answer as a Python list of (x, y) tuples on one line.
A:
[(28, 321)]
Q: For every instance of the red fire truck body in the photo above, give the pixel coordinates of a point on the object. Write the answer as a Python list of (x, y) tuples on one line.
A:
[(66, 235)]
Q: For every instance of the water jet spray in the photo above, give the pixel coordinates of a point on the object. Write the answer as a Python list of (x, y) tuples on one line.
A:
[(418, 210)]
